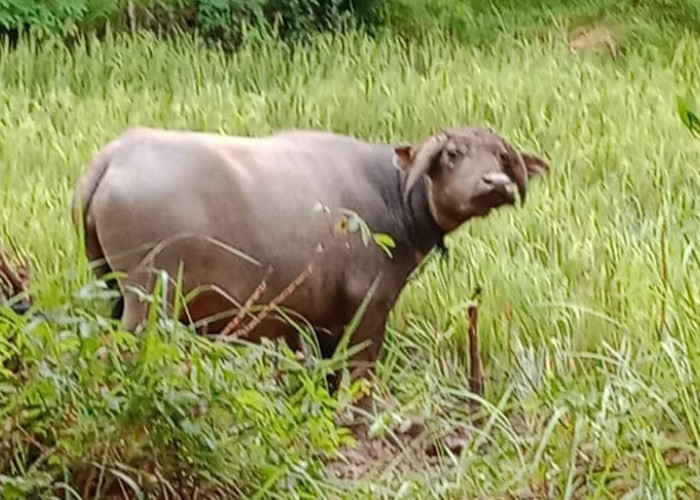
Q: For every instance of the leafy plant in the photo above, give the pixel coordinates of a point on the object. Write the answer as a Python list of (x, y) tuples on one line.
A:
[(225, 20), (222, 21), (688, 116), (103, 409), (350, 221)]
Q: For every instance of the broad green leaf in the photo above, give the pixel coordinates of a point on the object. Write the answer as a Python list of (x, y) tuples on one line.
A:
[(353, 224)]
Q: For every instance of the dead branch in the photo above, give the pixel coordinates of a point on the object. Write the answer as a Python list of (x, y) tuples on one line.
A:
[(476, 373), (15, 278), (268, 307), (13, 281), (248, 303)]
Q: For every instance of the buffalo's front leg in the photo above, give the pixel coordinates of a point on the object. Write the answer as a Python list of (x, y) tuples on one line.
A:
[(132, 307), (370, 334), (368, 337)]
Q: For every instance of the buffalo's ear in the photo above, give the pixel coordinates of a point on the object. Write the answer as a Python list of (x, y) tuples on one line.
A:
[(423, 158), (403, 156), (534, 165)]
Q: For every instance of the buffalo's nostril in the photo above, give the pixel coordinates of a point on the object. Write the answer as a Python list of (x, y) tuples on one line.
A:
[(499, 182), (21, 307), (497, 179)]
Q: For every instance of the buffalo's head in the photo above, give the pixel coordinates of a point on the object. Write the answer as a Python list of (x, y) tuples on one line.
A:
[(472, 170)]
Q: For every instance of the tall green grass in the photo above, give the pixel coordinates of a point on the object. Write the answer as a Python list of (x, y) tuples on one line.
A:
[(590, 298), (635, 23)]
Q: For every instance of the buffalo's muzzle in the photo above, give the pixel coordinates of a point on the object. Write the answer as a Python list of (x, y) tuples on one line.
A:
[(500, 183)]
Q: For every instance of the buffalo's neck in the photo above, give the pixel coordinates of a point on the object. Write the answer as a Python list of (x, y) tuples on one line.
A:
[(408, 220), (422, 231)]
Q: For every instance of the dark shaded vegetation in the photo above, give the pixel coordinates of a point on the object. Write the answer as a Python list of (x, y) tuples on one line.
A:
[(223, 21), (227, 21)]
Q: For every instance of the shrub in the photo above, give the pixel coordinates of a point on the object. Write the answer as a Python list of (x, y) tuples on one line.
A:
[(90, 409), (60, 17), (217, 20)]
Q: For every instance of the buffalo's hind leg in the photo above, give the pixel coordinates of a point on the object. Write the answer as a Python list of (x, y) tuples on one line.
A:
[(98, 261), (118, 305), (133, 308), (118, 308)]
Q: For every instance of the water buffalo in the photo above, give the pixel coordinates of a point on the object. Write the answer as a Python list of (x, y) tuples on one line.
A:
[(238, 211)]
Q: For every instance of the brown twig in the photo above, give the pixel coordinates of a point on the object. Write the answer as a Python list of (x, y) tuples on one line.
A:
[(6, 288), (273, 303), (253, 297), (13, 281), (16, 279), (88, 483), (476, 373)]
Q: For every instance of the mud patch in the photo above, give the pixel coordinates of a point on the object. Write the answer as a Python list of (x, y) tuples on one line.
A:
[(402, 449), (407, 443)]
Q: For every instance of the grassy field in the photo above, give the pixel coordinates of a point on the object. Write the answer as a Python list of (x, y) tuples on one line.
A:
[(590, 300)]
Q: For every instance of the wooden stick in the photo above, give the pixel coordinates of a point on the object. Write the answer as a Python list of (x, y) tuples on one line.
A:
[(18, 284), (277, 300), (476, 372), (6, 288), (253, 297)]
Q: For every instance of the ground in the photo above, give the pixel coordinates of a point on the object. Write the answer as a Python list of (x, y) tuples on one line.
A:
[(589, 298)]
